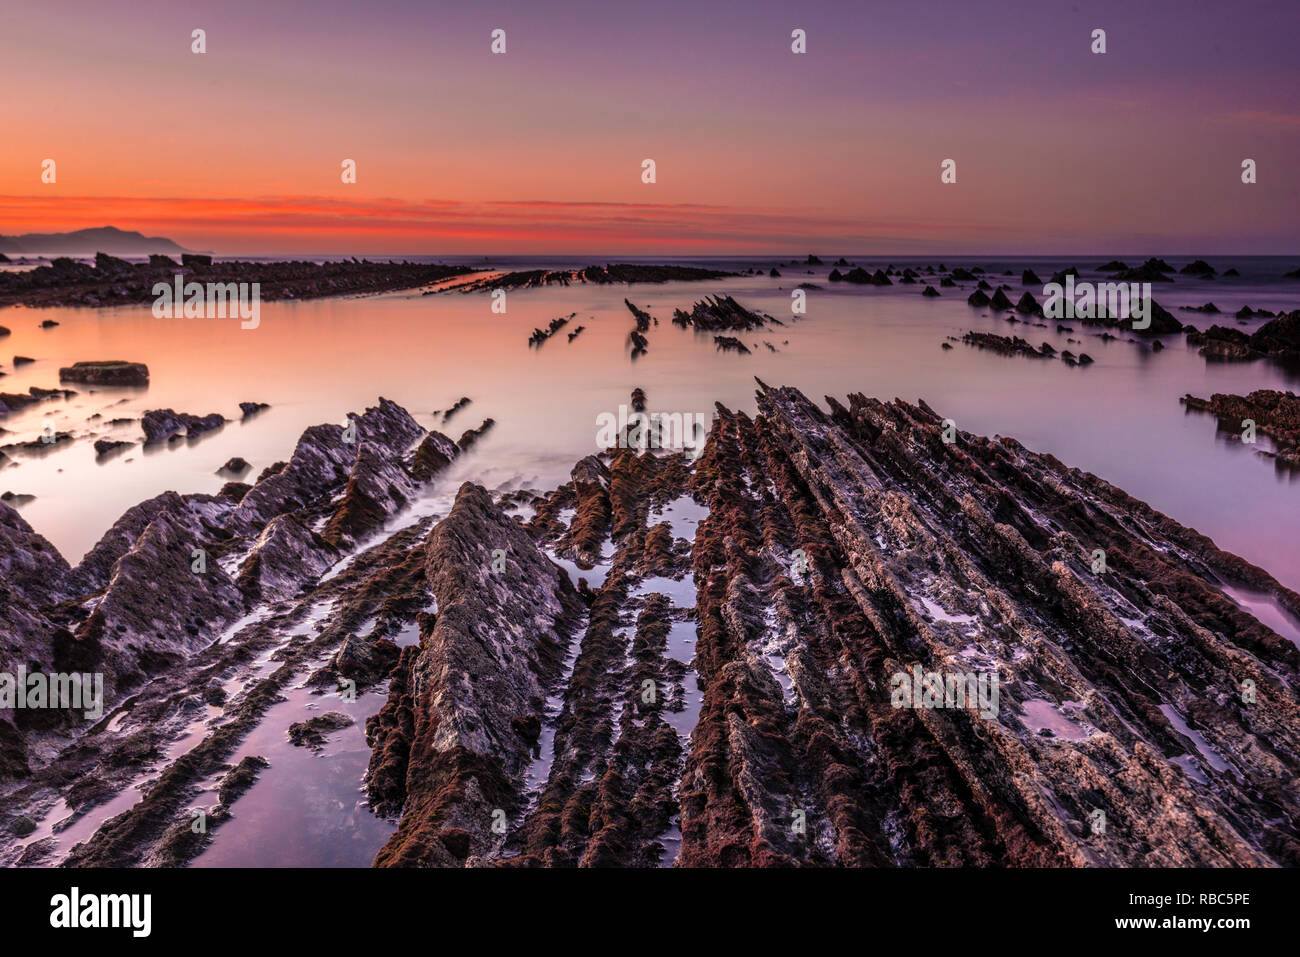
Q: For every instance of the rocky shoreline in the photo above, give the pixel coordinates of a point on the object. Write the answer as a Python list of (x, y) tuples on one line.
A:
[(668, 660), (116, 282), (1273, 413)]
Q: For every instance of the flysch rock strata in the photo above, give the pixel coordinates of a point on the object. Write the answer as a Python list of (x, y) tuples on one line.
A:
[(670, 660)]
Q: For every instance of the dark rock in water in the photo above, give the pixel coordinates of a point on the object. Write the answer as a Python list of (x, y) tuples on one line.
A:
[(321, 464), (235, 491), (835, 276), (1198, 268), (730, 344), (434, 453), (775, 273), (576, 332), (311, 733), (161, 424), (1158, 323), (111, 264), (963, 274), (1275, 414), (1028, 305), (946, 282), (813, 260), (638, 400), (4, 331), (22, 361), (1007, 345), (113, 372), (1153, 270), (640, 344), (643, 318), (930, 291), (365, 661), (39, 394), (720, 313), (470, 437), (862, 277), (983, 285), (16, 498), (459, 404), (1280, 337), (540, 336), (105, 446), (275, 468), (235, 465), (1221, 334), (1113, 266), (240, 779), (1157, 346), (1231, 272), (249, 409), (1209, 307), (841, 261), (194, 260), (48, 324), (1162, 322), (1030, 278), (999, 300), (978, 299), (1059, 277)]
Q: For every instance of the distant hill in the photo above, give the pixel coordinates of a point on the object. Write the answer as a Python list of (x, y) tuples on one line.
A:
[(87, 242)]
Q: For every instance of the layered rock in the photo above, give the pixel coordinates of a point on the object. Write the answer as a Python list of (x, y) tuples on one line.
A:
[(476, 685), (109, 372), (1273, 413)]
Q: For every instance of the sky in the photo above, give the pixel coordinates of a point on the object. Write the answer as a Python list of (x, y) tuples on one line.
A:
[(757, 150)]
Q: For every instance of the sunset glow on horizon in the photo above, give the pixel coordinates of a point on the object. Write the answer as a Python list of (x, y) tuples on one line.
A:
[(460, 151)]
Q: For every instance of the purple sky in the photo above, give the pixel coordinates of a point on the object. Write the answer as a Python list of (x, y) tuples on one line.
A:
[(757, 149)]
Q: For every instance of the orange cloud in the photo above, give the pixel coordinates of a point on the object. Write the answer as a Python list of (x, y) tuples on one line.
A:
[(322, 224)]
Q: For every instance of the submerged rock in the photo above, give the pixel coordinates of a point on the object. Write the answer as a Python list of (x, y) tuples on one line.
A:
[(113, 372), (161, 424)]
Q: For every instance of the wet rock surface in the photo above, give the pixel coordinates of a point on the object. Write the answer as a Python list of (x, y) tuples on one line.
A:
[(671, 659), (161, 424), (616, 273), (108, 372), (1273, 413), (113, 282)]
